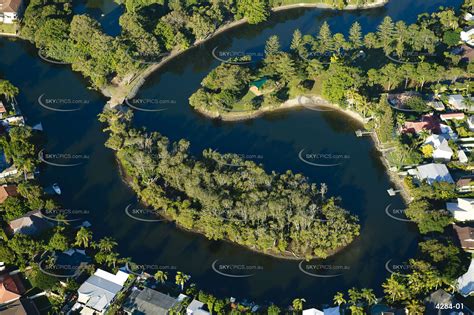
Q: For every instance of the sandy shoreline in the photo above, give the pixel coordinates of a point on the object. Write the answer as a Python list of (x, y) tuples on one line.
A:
[(117, 96), (316, 103)]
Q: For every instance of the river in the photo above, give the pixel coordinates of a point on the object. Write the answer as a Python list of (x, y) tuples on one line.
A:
[(94, 188)]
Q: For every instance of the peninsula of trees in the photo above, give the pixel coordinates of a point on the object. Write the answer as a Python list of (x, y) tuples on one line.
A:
[(337, 68), (151, 30), (225, 197)]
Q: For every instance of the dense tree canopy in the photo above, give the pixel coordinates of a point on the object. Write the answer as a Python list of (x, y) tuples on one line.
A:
[(269, 212)]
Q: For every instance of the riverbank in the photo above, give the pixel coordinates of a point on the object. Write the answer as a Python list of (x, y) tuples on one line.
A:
[(118, 93), (317, 103)]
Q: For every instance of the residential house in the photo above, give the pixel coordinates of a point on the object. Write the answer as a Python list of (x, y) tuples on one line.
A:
[(457, 101), (437, 105), (10, 10), (149, 302), (6, 170), (196, 308), (3, 109), (470, 123), (9, 171), (468, 17), (11, 288), (452, 116), (441, 297), (468, 37), (75, 259), (23, 306), (447, 132), (441, 149), (326, 311), (31, 223), (465, 185), (466, 237), (383, 309), (98, 292), (462, 156), (427, 122), (465, 283), (462, 210), (433, 172), (7, 191)]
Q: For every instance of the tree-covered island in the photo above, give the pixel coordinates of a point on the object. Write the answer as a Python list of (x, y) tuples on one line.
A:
[(226, 197)]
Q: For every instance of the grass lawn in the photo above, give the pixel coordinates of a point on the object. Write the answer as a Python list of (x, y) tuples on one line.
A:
[(8, 28), (242, 105)]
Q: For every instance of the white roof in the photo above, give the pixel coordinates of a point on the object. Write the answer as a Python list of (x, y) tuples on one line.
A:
[(100, 289), (312, 311), (468, 36), (470, 120), (465, 283), (119, 278), (462, 156), (469, 17), (462, 210), (439, 142), (434, 172), (195, 308)]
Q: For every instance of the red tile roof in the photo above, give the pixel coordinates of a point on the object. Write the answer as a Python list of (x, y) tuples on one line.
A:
[(466, 236), (11, 288), (427, 122), (7, 191), (452, 116), (10, 5)]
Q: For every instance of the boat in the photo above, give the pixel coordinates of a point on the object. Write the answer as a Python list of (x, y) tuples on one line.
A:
[(56, 188)]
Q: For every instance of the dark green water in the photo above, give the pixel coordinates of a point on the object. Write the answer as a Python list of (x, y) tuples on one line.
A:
[(96, 187)]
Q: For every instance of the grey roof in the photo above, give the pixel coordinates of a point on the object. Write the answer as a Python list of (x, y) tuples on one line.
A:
[(148, 301), (434, 172), (100, 291), (31, 223)]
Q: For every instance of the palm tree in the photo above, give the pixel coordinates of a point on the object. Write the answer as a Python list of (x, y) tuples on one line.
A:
[(111, 259), (369, 296), (181, 279), (298, 304), (354, 296), (161, 276), (83, 237), (107, 244), (394, 289), (414, 307), (339, 299), (357, 310)]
